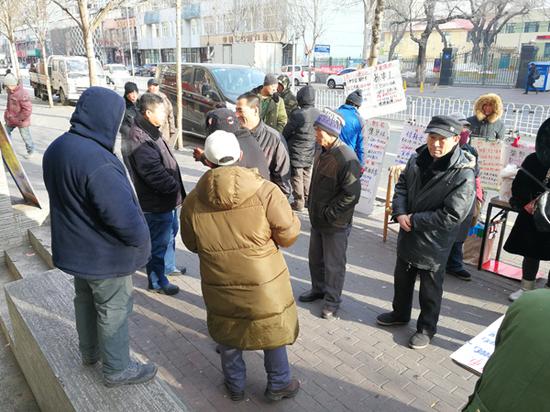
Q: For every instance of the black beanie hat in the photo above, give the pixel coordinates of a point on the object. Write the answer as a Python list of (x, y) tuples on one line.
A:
[(221, 119), (130, 87)]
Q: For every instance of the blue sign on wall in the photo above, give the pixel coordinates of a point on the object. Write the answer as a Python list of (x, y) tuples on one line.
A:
[(322, 48)]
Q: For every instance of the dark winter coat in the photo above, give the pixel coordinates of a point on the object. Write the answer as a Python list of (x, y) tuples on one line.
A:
[(253, 157), (276, 154), (290, 100), (98, 228), (129, 115), (153, 168), (272, 110), (465, 226), (517, 374), (19, 108), (488, 127), (524, 238), (299, 131), (438, 206), (532, 74), (335, 187)]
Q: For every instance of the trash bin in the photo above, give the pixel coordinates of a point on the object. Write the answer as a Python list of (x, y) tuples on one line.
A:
[(542, 84)]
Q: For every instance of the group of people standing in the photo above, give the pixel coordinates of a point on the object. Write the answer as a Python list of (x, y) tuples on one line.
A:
[(239, 215)]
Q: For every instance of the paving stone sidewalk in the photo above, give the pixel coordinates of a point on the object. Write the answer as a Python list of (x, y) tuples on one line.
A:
[(346, 364)]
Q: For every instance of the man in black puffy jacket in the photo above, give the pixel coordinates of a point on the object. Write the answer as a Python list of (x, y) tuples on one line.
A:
[(300, 137), (433, 196), (99, 233)]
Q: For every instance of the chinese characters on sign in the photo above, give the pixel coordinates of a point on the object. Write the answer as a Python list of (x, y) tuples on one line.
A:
[(516, 155), (475, 353), (382, 89), (375, 142), (491, 162), (412, 137)]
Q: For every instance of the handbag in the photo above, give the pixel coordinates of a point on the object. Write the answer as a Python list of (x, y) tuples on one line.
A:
[(541, 204)]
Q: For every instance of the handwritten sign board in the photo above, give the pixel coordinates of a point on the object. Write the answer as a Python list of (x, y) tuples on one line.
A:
[(411, 138), (374, 144), (475, 353), (382, 88), (491, 161), (516, 155)]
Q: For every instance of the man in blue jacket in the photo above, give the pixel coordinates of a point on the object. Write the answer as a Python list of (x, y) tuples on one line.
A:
[(352, 131), (99, 233)]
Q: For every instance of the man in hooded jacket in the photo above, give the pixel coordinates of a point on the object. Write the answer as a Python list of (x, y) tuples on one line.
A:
[(236, 222), (272, 107), (433, 196), (283, 88), (486, 122), (300, 137), (99, 233), (354, 125)]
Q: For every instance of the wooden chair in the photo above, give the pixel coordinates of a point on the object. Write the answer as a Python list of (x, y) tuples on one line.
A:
[(393, 176)]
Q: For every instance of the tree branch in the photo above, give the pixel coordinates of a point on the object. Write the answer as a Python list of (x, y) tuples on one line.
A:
[(66, 10)]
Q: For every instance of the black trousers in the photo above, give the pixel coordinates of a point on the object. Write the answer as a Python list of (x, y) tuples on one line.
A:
[(431, 292)]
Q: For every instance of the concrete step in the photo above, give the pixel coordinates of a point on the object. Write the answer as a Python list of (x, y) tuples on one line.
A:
[(41, 240), (5, 321), (24, 261), (46, 347)]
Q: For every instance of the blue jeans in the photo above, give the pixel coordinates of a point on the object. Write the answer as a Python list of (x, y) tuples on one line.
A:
[(25, 134), (454, 262), (161, 229), (275, 363), (170, 256)]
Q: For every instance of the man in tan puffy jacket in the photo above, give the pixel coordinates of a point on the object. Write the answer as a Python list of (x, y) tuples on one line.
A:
[(236, 221)]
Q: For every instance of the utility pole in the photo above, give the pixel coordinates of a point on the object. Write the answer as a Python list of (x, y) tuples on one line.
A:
[(130, 38), (179, 138)]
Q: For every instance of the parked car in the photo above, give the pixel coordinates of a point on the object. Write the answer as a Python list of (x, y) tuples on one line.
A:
[(300, 74), (337, 80), (116, 74), (147, 70), (206, 87)]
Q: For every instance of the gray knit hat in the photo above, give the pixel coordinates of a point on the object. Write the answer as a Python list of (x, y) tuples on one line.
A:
[(270, 79), (10, 80)]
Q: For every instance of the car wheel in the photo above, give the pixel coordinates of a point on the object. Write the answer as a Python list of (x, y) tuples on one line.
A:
[(331, 84), (296, 82)]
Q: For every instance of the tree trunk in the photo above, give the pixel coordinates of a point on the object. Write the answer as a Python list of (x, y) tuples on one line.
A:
[(48, 83), (13, 56), (87, 36), (375, 41), (179, 108), (421, 64), (366, 29)]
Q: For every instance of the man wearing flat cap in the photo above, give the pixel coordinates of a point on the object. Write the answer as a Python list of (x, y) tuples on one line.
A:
[(433, 196), (272, 106)]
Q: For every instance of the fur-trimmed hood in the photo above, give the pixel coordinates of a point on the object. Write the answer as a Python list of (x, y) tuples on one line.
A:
[(489, 98)]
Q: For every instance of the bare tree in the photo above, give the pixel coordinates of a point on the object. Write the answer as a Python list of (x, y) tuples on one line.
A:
[(430, 22), (88, 26), (488, 18), (309, 20), (378, 13), (11, 18), (399, 14), (37, 19)]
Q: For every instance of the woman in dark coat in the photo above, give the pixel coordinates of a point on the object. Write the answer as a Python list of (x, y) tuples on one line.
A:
[(525, 239)]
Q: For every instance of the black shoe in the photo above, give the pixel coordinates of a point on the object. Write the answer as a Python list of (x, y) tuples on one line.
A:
[(328, 313), (290, 391), (419, 340), (461, 274), (169, 289), (235, 396), (525, 93), (310, 296), (389, 319), (90, 361)]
